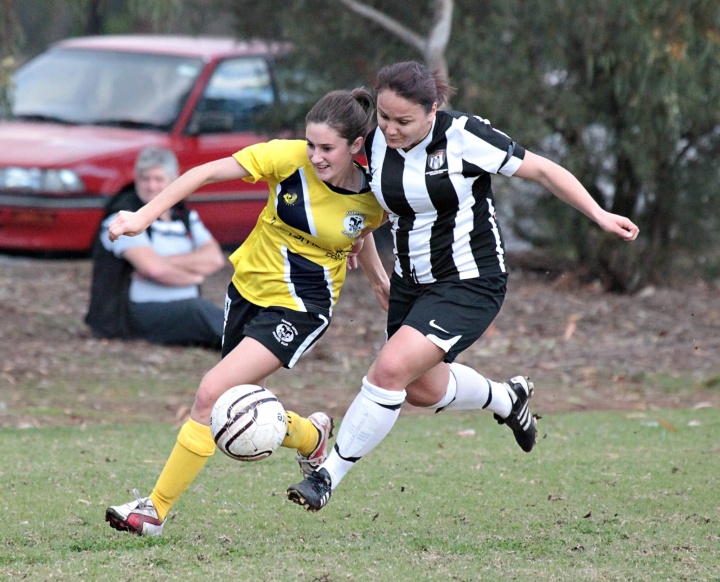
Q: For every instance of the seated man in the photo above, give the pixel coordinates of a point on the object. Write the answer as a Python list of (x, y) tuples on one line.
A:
[(164, 267)]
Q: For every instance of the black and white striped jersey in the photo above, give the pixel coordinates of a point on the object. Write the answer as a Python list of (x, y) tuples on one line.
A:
[(439, 197)]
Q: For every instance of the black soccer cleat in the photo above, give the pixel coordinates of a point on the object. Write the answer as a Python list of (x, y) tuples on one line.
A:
[(313, 492), (520, 420)]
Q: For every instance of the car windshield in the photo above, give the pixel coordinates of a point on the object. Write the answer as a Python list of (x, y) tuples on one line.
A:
[(105, 88)]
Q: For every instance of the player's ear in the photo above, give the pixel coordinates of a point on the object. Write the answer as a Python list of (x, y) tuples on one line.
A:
[(356, 146)]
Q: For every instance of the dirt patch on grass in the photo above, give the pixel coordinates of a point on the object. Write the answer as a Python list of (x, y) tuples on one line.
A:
[(584, 349)]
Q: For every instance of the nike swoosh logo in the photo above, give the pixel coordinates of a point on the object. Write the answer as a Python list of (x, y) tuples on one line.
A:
[(436, 326)]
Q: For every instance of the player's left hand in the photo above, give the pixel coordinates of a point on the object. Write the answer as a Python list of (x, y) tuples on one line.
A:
[(382, 294), (352, 260)]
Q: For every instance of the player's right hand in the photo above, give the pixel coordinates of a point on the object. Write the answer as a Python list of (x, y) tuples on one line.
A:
[(619, 225), (125, 223)]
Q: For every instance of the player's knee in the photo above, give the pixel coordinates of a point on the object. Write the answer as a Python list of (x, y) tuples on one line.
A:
[(420, 397), (388, 374), (429, 389), (207, 394)]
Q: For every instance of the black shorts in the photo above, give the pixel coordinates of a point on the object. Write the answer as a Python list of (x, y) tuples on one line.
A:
[(286, 333), (451, 314)]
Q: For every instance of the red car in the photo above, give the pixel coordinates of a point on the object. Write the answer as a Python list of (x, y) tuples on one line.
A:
[(84, 109)]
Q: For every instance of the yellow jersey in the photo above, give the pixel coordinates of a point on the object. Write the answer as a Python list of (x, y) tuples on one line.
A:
[(296, 255)]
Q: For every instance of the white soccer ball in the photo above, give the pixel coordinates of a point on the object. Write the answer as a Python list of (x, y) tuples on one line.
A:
[(248, 423)]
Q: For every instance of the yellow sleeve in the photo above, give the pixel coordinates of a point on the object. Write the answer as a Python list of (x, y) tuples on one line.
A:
[(276, 159)]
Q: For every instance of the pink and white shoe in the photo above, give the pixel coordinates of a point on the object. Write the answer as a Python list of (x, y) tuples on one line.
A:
[(325, 425), (138, 517)]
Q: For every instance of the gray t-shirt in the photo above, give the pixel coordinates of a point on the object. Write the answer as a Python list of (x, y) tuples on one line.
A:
[(168, 238)]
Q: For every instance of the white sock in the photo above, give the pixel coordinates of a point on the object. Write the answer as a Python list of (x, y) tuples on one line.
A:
[(468, 390), (366, 423)]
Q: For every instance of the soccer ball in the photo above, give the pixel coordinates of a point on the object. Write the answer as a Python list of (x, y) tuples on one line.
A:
[(248, 423)]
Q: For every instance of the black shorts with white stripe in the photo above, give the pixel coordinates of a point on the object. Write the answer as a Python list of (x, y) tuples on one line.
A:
[(288, 334), (452, 314)]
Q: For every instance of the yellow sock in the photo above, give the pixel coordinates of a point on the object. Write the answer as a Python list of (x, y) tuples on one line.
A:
[(194, 445), (301, 434)]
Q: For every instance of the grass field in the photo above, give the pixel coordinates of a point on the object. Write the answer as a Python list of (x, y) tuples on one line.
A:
[(605, 496)]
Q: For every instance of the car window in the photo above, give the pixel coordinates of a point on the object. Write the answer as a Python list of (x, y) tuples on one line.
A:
[(105, 88), (239, 90)]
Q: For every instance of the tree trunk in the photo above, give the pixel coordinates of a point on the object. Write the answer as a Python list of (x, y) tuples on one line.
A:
[(94, 21), (432, 47), (10, 32)]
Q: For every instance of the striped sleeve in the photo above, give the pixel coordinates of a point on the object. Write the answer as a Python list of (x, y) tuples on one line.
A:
[(491, 149)]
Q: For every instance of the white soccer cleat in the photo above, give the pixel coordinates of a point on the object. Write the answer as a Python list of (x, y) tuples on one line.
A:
[(325, 425), (137, 517)]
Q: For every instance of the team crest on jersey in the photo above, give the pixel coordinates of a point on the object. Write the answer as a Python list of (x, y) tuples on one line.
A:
[(285, 332), (436, 160), (353, 224), (289, 198)]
